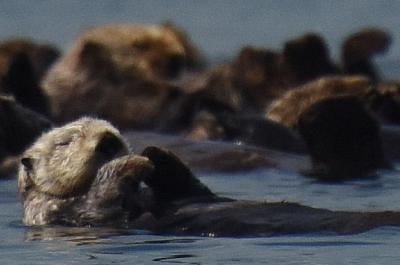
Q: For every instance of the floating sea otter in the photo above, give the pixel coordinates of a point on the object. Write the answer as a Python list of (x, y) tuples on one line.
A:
[(341, 133), (81, 174), (120, 73), (23, 64)]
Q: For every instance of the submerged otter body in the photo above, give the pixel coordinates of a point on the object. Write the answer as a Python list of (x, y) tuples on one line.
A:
[(82, 174)]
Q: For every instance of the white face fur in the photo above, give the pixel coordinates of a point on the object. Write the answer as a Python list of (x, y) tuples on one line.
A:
[(65, 160)]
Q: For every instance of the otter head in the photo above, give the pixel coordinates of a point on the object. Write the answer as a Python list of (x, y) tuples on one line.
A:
[(255, 67), (359, 48), (152, 51), (65, 161), (307, 58), (343, 139)]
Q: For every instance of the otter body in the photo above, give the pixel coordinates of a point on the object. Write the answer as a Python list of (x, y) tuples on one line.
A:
[(82, 174), (120, 73)]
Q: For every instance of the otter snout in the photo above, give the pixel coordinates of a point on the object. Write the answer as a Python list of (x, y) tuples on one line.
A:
[(110, 146)]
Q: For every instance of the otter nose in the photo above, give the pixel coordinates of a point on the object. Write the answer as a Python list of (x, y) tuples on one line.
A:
[(175, 65), (109, 145)]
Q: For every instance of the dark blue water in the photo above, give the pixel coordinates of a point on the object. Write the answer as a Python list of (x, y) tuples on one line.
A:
[(220, 28), (60, 245)]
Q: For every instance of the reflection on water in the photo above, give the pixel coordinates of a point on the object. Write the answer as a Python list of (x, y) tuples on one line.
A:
[(176, 259), (76, 235)]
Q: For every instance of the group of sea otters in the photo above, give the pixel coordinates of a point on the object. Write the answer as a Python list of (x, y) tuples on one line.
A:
[(60, 112)]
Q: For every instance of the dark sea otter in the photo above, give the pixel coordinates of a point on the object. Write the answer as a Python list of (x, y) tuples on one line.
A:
[(82, 175)]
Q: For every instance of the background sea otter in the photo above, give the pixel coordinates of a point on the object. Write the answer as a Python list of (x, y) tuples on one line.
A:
[(120, 73)]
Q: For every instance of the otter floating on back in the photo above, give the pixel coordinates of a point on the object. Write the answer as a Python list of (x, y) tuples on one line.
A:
[(82, 174)]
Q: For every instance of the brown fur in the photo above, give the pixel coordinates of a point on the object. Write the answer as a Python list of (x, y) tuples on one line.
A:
[(146, 49), (72, 172), (359, 48), (194, 59), (23, 64), (205, 126), (343, 139), (388, 105), (258, 75), (306, 58), (246, 84), (113, 77), (117, 72), (19, 127), (42, 56), (287, 109)]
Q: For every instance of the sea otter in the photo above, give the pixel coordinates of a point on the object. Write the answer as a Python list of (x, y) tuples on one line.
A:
[(287, 109), (19, 127), (343, 139), (359, 48), (120, 73), (23, 64), (82, 174)]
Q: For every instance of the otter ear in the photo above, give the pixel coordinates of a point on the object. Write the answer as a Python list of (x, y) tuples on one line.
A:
[(94, 55), (27, 162)]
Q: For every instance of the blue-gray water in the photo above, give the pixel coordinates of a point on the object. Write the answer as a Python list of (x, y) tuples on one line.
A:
[(220, 28), (60, 245)]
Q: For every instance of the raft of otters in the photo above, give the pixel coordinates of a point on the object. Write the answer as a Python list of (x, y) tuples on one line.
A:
[(82, 174)]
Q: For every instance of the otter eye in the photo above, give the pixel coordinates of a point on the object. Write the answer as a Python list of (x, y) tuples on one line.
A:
[(109, 145), (63, 143)]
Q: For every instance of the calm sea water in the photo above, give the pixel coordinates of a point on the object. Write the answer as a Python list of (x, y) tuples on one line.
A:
[(220, 28), (60, 245)]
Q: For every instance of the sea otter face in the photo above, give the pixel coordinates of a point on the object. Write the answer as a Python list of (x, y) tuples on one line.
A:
[(66, 160), (154, 50)]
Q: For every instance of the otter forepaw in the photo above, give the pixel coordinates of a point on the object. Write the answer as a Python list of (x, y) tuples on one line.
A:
[(171, 179), (129, 166)]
